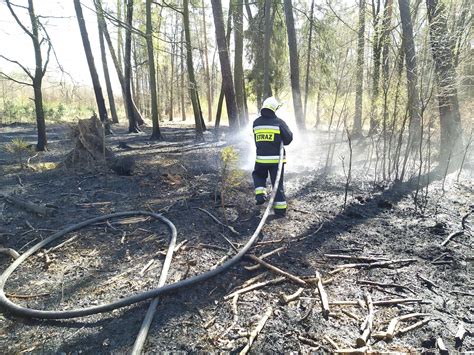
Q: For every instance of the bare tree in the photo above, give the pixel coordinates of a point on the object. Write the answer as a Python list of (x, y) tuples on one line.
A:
[(132, 122), (411, 69), (269, 18), (130, 106), (108, 84), (294, 64), (308, 61), (357, 128), (193, 90), (156, 134), (227, 81), (40, 67), (206, 62), (238, 59), (448, 105), (99, 97)]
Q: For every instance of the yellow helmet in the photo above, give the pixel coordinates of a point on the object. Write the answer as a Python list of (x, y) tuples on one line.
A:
[(271, 103)]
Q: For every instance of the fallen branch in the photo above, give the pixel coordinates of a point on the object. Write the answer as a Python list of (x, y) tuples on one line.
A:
[(257, 330), (367, 259), (464, 293), (392, 326), (61, 244), (235, 312), (351, 351), (278, 270), (11, 252), (29, 206), (460, 335), (414, 326), (332, 342), (146, 267), (397, 301), (309, 342), (270, 242), (464, 219), (376, 264), (263, 256), (378, 303), (452, 235), (429, 282), (215, 219), (350, 314), (12, 295), (323, 296), (380, 284), (255, 286), (362, 340), (289, 298), (254, 279), (442, 348)]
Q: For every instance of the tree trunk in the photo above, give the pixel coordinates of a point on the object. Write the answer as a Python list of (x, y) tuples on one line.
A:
[(108, 84), (387, 22), (38, 79), (357, 128), (120, 17), (228, 85), (172, 78), (118, 67), (451, 144), (132, 122), (193, 92), (377, 53), (267, 90), (156, 133), (105, 66), (308, 61), (99, 98), (411, 71), (238, 60), (40, 121), (206, 57), (318, 107), (181, 61), (294, 65), (221, 94)]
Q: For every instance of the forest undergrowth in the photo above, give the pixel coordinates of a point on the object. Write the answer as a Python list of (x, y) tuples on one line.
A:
[(361, 265)]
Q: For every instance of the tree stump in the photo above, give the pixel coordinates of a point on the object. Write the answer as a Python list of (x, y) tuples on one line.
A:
[(91, 152)]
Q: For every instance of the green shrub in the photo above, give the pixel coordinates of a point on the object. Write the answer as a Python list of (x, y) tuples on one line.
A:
[(20, 149)]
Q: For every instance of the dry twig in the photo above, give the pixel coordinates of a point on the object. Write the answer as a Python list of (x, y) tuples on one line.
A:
[(442, 348), (289, 298), (278, 270), (257, 330), (263, 256), (362, 340), (323, 296), (215, 219), (376, 264), (452, 235), (11, 252), (254, 287), (460, 334)]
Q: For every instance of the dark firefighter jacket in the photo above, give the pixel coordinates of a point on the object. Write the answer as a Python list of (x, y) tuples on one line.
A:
[(268, 132)]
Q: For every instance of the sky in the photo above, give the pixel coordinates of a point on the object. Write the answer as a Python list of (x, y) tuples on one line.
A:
[(63, 29)]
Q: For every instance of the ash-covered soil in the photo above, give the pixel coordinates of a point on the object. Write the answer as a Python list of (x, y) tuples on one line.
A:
[(178, 176)]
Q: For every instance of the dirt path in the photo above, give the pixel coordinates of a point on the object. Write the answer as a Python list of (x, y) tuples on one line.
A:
[(107, 261)]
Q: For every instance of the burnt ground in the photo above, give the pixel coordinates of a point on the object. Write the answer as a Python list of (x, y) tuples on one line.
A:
[(106, 261)]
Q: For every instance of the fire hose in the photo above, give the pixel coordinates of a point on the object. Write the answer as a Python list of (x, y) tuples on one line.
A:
[(27, 312)]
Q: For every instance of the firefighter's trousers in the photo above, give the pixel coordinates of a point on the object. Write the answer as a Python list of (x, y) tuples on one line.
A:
[(260, 175)]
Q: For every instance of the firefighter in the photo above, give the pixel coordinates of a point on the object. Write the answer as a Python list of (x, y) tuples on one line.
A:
[(269, 131)]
